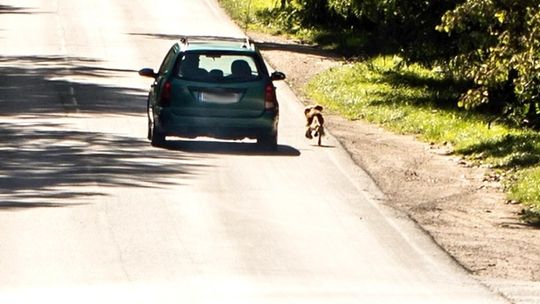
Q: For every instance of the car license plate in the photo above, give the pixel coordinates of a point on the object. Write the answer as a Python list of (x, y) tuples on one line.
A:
[(218, 97)]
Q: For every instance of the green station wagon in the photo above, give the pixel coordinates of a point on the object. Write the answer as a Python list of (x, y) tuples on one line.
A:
[(216, 87)]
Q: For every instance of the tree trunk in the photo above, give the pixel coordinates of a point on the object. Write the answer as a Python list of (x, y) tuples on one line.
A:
[(532, 118)]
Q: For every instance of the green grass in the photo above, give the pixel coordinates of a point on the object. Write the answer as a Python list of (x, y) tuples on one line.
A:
[(266, 16), (526, 189), (409, 99), (415, 100), (245, 12)]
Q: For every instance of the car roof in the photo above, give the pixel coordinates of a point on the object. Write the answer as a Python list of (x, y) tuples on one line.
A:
[(210, 43)]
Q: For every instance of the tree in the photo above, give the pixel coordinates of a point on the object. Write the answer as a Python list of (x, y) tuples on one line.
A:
[(498, 48), (407, 27)]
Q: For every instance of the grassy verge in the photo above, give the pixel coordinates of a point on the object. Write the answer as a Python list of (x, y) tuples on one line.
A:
[(267, 17), (247, 13), (526, 189), (414, 100)]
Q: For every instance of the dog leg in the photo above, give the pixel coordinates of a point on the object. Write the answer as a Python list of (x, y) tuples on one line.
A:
[(308, 133)]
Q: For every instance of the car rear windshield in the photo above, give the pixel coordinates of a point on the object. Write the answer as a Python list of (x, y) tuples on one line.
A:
[(215, 66)]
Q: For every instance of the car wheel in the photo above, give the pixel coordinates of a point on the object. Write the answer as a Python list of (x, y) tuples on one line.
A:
[(268, 141), (157, 138), (149, 135), (149, 117)]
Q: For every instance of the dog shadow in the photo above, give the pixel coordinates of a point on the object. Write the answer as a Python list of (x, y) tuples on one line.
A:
[(322, 146)]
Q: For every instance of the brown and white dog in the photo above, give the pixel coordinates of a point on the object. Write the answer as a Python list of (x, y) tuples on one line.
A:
[(315, 122)]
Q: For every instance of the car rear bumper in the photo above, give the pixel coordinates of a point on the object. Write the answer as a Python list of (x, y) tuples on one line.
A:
[(170, 124)]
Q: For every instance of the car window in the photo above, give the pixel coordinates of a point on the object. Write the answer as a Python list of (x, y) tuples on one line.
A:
[(167, 62), (218, 67)]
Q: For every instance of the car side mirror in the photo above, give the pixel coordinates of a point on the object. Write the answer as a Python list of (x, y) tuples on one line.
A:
[(147, 72), (277, 76)]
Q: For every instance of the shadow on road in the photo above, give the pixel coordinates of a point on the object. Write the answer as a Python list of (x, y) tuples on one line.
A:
[(18, 205), (263, 45), (46, 162), (48, 165), (226, 147), (9, 9), (56, 84)]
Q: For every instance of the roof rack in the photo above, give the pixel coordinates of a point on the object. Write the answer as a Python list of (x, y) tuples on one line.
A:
[(246, 42)]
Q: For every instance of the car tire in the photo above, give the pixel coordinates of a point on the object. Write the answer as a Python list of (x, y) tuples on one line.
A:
[(149, 135), (149, 116), (268, 142), (157, 138)]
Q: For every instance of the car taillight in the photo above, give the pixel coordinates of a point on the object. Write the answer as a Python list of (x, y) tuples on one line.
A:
[(165, 99), (270, 100)]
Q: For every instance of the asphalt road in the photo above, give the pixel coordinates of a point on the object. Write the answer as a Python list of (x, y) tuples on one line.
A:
[(91, 213)]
